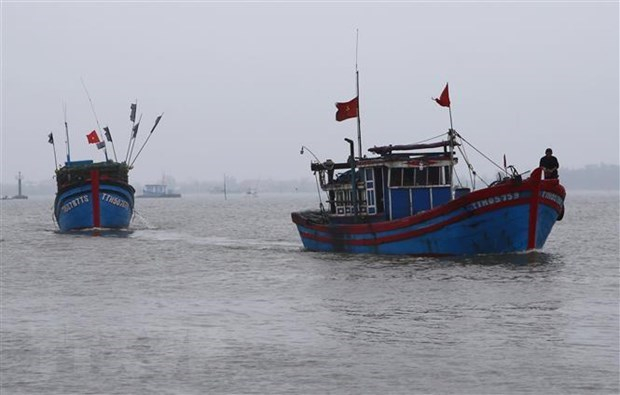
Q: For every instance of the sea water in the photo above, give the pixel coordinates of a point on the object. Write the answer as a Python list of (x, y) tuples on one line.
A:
[(206, 295)]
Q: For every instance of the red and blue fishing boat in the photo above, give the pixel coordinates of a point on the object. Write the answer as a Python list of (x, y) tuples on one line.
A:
[(405, 200), (96, 195), (93, 195)]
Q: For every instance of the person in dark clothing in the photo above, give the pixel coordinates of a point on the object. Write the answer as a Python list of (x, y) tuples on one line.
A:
[(550, 165)]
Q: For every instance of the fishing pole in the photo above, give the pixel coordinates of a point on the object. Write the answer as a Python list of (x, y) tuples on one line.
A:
[(50, 139), (92, 107), (67, 134), (134, 134), (132, 118), (148, 137)]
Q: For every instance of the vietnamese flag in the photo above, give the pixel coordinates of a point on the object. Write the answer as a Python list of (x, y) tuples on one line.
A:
[(347, 110), (93, 137), (444, 99)]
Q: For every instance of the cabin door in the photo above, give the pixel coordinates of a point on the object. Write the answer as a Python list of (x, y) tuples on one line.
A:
[(371, 202)]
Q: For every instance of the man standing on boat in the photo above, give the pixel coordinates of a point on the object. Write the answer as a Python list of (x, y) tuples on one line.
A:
[(550, 165)]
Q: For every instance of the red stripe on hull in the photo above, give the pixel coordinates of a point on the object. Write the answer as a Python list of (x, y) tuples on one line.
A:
[(94, 182), (533, 219)]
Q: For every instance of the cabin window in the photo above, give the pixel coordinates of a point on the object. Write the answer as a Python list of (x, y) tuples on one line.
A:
[(416, 177), (409, 177), (396, 177), (421, 176), (434, 176)]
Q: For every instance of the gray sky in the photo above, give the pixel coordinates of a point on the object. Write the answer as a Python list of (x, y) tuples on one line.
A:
[(244, 85)]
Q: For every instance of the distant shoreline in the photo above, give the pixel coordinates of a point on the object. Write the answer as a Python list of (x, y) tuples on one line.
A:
[(601, 178)]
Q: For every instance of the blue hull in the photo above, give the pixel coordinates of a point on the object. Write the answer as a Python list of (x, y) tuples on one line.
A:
[(510, 218), (76, 208), (502, 231)]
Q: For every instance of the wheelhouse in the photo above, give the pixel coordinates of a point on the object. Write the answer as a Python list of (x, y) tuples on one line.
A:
[(401, 181)]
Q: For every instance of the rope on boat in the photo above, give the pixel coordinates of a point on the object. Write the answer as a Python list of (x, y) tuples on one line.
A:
[(478, 151), (431, 138), (472, 173)]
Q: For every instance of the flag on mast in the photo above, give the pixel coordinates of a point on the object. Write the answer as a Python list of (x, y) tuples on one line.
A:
[(132, 116), (93, 137), (135, 130), (50, 138), (347, 110), (107, 133), (444, 99)]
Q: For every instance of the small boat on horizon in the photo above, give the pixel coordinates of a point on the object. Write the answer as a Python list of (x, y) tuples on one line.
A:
[(158, 191), (406, 200)]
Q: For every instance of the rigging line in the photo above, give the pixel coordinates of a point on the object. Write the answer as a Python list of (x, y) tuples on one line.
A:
[(470, 167), (458, 178), (428, 139), (92, 107), (486, 157)]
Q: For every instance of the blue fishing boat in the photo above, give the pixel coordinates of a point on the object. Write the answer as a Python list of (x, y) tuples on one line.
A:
[(406, 199), (404, 203), (93, 195), (97, 194)]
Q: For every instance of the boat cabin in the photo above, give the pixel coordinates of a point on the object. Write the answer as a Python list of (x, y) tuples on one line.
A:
[(79, 172), (402, 181)]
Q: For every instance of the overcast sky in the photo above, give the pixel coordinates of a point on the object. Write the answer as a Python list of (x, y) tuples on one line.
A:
[(244, 85)]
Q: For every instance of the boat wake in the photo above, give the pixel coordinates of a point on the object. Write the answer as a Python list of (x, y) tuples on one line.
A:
[(219, 241)]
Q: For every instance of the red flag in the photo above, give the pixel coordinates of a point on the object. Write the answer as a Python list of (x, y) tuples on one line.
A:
[(93, 137), (347, 110), (444, 99)]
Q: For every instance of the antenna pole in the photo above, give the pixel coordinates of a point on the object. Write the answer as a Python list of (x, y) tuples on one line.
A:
[(357, 84)]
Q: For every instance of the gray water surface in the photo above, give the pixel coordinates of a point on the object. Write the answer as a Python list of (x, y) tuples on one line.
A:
[(204, 295)]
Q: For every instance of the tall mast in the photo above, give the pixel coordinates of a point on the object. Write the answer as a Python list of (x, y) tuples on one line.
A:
[(357, 85), (452, 137)]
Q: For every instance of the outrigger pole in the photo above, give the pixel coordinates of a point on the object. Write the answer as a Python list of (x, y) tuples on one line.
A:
[(357, 85), (92, 107), (132, 118), (108, 137), (147, 139), (134, 133), (67, 134)]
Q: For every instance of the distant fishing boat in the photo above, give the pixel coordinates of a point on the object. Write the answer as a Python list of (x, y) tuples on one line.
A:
[(96, 194), (158, 191), (405, 201)]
